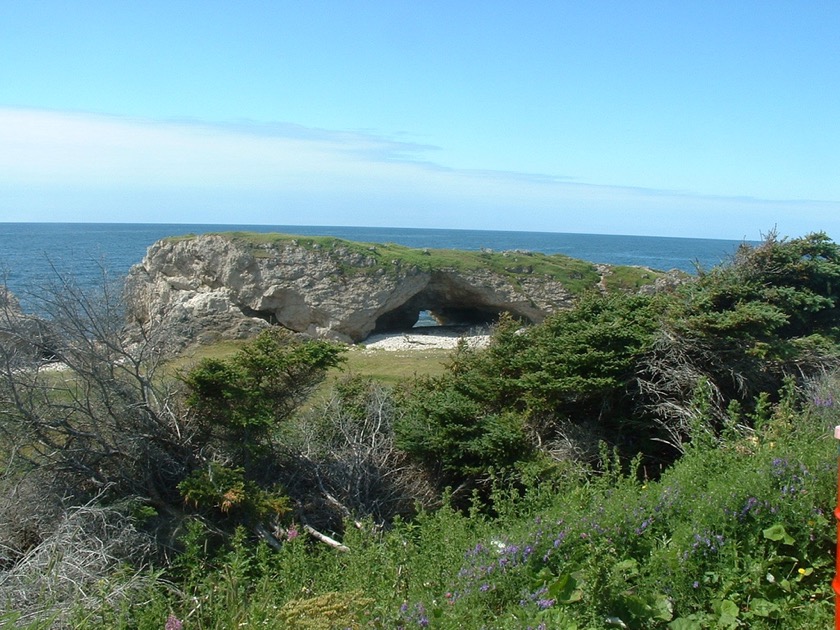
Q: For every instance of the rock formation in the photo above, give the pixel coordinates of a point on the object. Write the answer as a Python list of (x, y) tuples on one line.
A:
[(208, 287), (23, 337)]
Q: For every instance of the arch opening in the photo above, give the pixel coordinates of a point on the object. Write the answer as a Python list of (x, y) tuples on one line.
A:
[(426, 315), (448, 301)]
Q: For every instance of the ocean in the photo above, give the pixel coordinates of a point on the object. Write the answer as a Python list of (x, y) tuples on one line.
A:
[(31, 253)]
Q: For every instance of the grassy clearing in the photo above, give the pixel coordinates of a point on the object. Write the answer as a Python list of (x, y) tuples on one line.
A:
[(382, 365), (393, 366)]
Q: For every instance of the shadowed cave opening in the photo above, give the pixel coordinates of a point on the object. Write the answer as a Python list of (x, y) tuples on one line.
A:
[(403, 319), (425, 318), (442, 304)]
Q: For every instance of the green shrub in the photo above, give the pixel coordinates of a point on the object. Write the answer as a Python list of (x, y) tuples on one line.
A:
[(326, 612), (495, 405), (742, 328), (239, 402)]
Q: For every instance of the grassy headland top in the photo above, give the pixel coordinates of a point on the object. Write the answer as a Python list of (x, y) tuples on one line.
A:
[(577, 276)]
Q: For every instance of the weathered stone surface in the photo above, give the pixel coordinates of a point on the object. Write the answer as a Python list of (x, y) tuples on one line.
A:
[(9, 305), (216, 286), (23, 338)]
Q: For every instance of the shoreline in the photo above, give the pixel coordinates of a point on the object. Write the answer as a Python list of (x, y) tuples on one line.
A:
[(425, 338)]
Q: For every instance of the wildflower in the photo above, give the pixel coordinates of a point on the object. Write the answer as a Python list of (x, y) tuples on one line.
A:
[(824, 402), (751, 503), (292, 533), (644, 525), (173, 623)]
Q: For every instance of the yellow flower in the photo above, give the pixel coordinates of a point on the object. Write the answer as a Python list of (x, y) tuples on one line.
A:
[(801, 571)]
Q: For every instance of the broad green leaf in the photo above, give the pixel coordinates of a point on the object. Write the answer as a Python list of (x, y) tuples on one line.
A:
[(629, 565), (564, 589), (777, 533), (727, 612), (663, 607), (763, 608)]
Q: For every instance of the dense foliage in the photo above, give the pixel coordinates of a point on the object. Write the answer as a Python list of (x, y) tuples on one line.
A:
[(634, 370), (572, 374), (740, 329), (654, 460), (238, 405)]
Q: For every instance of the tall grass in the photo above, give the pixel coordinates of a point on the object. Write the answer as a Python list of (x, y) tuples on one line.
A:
[(738, 533)]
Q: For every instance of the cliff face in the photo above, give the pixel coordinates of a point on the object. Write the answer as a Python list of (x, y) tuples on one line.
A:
[(23, 337), (230, 286)]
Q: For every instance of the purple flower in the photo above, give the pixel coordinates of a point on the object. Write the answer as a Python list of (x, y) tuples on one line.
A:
[(751, 503), (173, 623), (824, 402), (644, 525)]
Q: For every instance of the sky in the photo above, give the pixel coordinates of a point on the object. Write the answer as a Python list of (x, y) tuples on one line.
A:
[(674, 118)]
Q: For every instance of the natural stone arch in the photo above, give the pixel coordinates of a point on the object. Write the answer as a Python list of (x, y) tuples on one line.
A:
[(451, 301), (203, 288)]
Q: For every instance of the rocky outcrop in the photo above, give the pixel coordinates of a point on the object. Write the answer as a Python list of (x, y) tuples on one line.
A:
[(23, 337), (9, 305), (230, 286)]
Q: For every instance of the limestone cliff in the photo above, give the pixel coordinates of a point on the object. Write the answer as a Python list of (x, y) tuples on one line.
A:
[(207, 287), (23, 337)]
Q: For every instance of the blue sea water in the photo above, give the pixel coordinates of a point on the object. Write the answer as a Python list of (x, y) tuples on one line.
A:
[(30, 253)]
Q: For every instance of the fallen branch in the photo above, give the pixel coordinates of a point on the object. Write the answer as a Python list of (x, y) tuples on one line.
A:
[(332, 542)]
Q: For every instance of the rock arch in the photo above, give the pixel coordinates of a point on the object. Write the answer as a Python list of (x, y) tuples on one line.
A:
[(203, 288), (452, 301)]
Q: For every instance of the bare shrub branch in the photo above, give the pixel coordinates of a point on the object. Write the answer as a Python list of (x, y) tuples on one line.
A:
[(77, 399), (347, 452)]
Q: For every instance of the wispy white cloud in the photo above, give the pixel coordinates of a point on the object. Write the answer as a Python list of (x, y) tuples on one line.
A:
[(82, 149), (76, 166)]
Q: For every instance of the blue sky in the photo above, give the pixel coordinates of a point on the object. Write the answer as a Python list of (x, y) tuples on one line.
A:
[(705, 119)]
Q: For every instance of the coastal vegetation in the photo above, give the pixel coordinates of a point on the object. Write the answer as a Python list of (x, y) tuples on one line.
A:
[(642, 460)]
